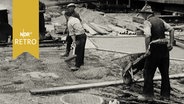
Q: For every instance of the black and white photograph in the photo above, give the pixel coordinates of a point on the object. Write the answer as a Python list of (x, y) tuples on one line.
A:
[(97, 52)]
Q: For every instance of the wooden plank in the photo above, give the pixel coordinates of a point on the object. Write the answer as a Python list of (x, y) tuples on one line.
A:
[(75, 87), (105, 27), (117, 29), (93, 85), (91, 31), (138, 20), (98, 29)]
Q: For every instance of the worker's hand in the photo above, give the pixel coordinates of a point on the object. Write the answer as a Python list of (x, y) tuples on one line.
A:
[(74, 44), (170, 46)]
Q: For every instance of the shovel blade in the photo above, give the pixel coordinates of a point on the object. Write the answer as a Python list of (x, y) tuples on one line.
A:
[(69, 58)]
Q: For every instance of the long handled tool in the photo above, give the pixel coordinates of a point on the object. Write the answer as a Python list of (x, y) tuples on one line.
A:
[(71, 57)]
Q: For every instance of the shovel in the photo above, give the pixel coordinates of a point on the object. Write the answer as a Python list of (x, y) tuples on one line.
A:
[(71, 57)]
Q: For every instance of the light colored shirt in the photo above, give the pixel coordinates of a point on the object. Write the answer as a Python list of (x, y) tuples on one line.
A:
[(147, 27), (75, 26)]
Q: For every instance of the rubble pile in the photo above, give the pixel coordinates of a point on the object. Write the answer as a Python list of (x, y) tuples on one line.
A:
[(96, 23), (103, 24)]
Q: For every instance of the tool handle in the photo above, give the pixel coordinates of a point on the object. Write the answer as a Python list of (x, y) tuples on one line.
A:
[(73, 50)]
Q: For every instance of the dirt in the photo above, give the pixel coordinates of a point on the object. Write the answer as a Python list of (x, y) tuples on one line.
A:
[(92, 73), (17, 76)]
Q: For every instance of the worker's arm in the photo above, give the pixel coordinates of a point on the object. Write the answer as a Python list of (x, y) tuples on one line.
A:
[(75, 14), (171, 35), (147, 33), (71, 28), (73, 38)]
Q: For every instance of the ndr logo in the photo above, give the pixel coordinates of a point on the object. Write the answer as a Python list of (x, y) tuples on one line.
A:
[(25, 34), (25, 41)]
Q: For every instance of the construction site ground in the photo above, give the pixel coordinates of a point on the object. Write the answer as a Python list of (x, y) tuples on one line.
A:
[(103, 62), (25, 73)]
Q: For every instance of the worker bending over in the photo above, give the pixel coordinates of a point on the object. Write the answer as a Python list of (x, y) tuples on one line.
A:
[(77, 33), (70, 8), (154, 29)]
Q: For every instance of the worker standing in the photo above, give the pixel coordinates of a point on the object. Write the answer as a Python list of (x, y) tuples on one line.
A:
[(70, 8), (154, 28), (42, 29), (77, 33), (5, 27)]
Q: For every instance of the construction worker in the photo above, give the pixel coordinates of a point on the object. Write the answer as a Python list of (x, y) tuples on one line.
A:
[(77, 33), (5, 27), (154, 29), (70, 8), (42, 29)]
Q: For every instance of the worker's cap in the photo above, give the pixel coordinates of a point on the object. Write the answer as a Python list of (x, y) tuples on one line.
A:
[(71, 5), (146, 9)]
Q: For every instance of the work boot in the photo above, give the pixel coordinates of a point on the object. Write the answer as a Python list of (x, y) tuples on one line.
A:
[(65, 55), (74, 68), (145, 98)]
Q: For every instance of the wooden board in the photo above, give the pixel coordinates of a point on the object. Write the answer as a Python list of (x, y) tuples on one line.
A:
[(93, 85), (117, 29), (98, 29), (89, 29)]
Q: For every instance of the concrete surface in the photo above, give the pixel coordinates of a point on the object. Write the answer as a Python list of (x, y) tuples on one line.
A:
[(121, 44)]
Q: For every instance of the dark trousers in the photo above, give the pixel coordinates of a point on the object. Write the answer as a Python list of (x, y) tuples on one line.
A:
[(159, 58), (68, 44), (80, 49)]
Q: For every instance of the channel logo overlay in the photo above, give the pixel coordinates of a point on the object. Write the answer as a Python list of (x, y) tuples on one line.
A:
[(25, 27)]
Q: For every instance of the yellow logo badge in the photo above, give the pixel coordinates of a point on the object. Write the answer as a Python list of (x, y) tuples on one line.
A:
[(25, 27)]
